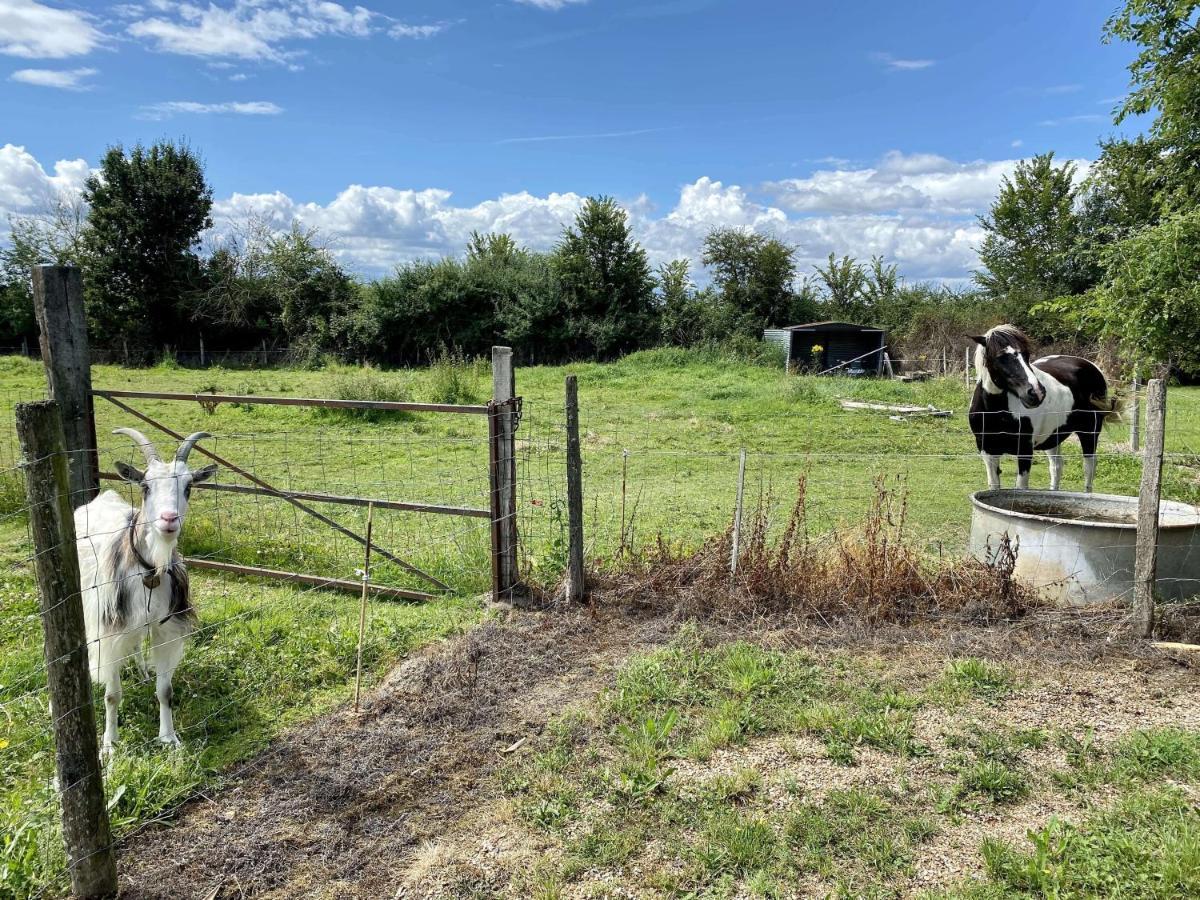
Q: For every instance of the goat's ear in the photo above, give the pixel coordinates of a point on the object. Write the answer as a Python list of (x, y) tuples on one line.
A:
[(204, 474), (978, 338), (130, 474)]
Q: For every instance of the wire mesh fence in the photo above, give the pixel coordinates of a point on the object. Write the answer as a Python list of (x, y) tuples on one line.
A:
[(657, 469)]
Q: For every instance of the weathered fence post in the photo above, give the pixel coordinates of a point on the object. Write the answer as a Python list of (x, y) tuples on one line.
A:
[(86, 831), (1135, 415), (735, 552), (1148, 501), (202, 360), (504, 390), (967, 367), (575, 573), (58, 305)]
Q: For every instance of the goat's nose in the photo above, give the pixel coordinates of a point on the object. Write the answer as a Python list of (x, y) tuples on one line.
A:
[(170, 517)]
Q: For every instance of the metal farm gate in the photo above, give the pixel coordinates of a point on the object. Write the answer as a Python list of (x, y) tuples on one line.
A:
[(65, 352)]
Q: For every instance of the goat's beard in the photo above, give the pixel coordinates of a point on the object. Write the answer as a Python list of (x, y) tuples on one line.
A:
[(158, 547)]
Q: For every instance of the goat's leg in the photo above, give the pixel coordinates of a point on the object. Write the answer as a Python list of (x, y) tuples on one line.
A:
[(108, 672), (166, 651)]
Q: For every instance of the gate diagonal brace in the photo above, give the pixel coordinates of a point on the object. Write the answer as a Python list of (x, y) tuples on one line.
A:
[(304, 507)]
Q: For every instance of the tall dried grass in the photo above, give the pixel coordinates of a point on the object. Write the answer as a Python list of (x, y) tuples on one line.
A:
[(872, 572)]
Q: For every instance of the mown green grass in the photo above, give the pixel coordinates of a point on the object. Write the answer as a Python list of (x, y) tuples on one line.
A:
[(605, 788)]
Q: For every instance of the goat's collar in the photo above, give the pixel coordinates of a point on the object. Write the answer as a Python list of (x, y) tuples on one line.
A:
[(151, 576)]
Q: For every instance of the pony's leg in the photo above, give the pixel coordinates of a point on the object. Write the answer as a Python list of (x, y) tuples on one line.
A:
[(991, 462), (1055, 458), (1088, 442), (1024, 461), (1024, 464), (1089, 472), (166, 650)]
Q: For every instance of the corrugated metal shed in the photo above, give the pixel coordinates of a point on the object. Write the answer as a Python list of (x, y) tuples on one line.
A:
[(843, 347)]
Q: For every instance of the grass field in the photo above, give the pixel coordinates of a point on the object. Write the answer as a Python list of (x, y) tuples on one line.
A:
[(734, 770), (662, 431)]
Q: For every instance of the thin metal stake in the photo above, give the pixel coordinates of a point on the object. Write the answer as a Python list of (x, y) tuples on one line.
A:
[(737, 516), (624, 479), (362, 606)]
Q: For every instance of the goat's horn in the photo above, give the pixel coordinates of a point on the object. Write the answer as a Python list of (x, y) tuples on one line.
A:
[(148, 449), (188, 443)]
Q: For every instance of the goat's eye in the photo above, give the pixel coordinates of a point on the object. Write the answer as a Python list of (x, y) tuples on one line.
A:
[(187, 491)]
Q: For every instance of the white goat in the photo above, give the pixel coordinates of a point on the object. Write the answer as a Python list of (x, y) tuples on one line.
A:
[(134, 582)]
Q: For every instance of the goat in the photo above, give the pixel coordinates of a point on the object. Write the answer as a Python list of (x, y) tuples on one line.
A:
[(134, 583)]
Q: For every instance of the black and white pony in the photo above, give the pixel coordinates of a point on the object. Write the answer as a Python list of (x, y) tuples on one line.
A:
[(1020, 407)]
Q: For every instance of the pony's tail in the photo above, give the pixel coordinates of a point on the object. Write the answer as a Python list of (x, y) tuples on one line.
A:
[(1112, 406)]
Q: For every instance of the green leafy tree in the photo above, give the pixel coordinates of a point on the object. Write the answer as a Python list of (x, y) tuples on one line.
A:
[(754, 273), (147, 210), (54, 237), (1030, 250), (677, 298), (845, 281), (1165, 79), (606, 282), (1148, 303)]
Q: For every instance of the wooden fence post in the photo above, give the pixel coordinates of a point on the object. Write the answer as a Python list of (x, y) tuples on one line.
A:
[(504, 389), (58, 305), (1148, 501), (1135, 416), (86, 831), (575, 572)]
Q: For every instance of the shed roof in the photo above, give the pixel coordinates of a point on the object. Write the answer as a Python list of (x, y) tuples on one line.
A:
[(831, 326)]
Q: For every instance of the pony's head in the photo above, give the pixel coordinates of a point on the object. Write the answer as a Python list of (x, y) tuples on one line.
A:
[(1002, 361)]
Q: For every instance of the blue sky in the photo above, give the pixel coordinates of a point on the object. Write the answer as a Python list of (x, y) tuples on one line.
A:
[(395, 128)]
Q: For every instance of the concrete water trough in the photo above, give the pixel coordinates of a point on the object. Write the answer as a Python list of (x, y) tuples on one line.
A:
[(1080, 548)]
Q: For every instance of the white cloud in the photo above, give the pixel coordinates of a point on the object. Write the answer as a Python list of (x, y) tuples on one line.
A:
[(27, 189), (66, 79), (249, 29), (420, 32), (1062, 89), (600, 135), (1073, 120), (550, 4), (190, 107), (904, 65), (899, 183), (35, 31), (917, 210), (1017, 143)]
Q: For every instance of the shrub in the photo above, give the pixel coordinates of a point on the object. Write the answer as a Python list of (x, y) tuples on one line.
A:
[(452, 379), (366, 384)]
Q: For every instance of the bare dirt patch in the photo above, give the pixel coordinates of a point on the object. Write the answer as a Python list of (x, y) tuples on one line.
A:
[(345, 805), (405, 800)]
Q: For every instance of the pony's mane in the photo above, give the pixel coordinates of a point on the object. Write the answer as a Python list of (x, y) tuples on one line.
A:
[(1007, 336)]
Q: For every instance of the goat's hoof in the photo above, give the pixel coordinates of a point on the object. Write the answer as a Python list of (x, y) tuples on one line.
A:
[(170, 740), (107, 752)]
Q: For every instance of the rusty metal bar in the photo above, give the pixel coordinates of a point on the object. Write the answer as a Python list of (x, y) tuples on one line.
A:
[(320, 517), (400, 505), (338, 584), (214, 399)]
